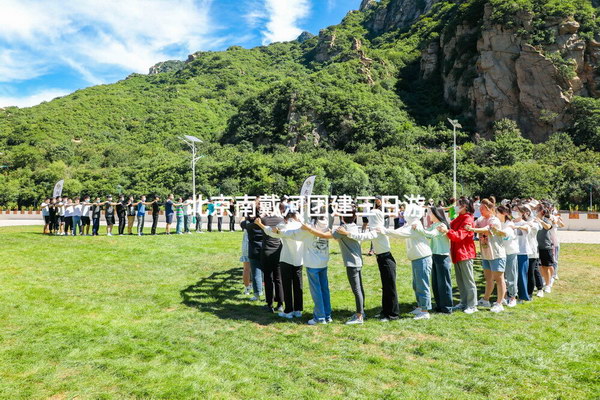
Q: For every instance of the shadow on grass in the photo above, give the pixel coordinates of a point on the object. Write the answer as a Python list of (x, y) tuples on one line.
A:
[(220, 294)]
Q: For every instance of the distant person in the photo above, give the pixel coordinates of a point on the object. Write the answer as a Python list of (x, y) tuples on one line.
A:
[(60, 212), (199, 205), (131, 214), (179, 214), (155, 214), (231, 215), (188, 211), (169, 213), (86, 212), (68, 216), (109, 214), (141, 215), (96, 212), (53, 212), (211, 212), (45, 207), (77, 213), (122, 214)]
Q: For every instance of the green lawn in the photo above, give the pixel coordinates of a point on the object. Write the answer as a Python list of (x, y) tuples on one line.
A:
[(164, 317)]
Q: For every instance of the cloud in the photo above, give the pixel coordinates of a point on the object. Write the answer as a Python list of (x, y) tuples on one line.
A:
[(32, 100), (283, 17), (86, 35), (330, 5)]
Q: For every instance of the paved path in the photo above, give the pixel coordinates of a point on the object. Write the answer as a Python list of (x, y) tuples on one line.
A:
[(565, 236)]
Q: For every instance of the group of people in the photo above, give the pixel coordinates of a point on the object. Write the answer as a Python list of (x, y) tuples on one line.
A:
[(76, 216), (517, 238)]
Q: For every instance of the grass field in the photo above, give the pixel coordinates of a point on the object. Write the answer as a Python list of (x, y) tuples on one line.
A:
[(164, 317)]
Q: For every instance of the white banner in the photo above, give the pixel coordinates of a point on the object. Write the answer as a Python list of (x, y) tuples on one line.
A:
[(308, 186), (58, 188)]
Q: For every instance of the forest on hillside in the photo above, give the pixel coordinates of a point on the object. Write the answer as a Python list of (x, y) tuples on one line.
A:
[(349, 105)]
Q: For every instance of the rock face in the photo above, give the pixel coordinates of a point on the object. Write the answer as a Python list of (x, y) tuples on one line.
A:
[(166, 66), (493, 73), (304, 36), (398, 14)]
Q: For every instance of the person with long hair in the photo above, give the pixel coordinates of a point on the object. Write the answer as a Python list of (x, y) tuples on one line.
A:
[(315, 240), (521, 227), (255, 242), (462, 252), (534, 278), (352, 257), (545, 246), (290, 264), (511, 246), (441, 272), (493, 254), (418, 252)]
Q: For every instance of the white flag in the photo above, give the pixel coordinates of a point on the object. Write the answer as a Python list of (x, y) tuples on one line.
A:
[(58, 188), (308, 186)]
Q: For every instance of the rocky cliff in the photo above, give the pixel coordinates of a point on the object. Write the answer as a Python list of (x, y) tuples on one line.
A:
[(492, 70)]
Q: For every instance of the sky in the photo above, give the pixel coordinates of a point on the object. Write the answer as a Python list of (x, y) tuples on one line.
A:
[(49, 48)]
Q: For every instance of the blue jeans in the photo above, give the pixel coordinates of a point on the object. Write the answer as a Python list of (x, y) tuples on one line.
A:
[(421, 269), (76, 224), (523, 267), (319, 290), (179, 223), (511, 275), (257, 276), (441, 282)]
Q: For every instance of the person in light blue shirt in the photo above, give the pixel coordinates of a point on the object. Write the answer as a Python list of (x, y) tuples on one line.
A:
[(141, 215)]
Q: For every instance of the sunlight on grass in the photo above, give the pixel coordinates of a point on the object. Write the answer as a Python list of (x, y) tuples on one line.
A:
[(164, 317)]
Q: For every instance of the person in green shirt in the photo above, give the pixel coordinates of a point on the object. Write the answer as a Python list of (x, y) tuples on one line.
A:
[(179, 213), (441, 272)]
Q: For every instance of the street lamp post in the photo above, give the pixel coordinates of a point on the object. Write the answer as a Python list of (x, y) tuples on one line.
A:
[(455, 125), (191, 141)]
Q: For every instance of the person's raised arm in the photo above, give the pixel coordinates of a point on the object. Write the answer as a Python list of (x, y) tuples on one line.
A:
[(546, 225), (317, 233)]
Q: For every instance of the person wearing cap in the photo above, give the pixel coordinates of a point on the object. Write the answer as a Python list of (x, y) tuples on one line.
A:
[(109, 214), (390, 309)]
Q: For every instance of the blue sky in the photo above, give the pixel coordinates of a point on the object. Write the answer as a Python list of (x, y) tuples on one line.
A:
[(50, 48)]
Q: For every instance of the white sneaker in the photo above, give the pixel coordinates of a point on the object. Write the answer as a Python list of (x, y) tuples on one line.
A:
[(355, 320), (555, 277), (540, 293), (255, 298), (496, 308), (422, 315), (329, 320), (470, 310), (484, 303), (286, 315), (548, 289), (416, 311), (109, 234), (552, 281), (297, 314), (315, 322), (459, 307), (248, 290), (512, 303), (504, 302)]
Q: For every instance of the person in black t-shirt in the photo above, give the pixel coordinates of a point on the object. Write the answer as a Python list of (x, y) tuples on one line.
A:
[(109, 214), (155, 212), (122, 214)]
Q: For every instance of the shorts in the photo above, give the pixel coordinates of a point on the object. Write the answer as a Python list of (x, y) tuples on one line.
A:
[(85, 221), (169, 218), (47, 219), (546, 257), (495, 265), (110, 219), (60, 219)]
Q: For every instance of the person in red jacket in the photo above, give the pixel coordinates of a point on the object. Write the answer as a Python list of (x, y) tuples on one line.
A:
[(462, 251)]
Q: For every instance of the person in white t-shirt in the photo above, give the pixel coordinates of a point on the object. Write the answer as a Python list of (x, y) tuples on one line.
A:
[(188, 214), (68, 216), (86, 211), (45, 206), (511, 245), (77, 213), (60, 216), (493, 254)]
